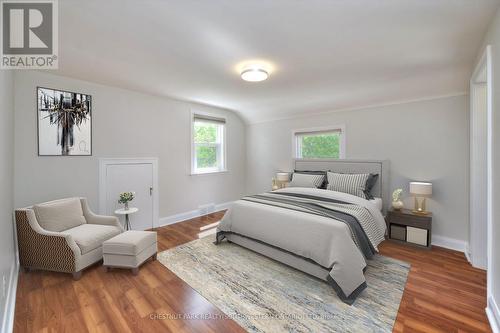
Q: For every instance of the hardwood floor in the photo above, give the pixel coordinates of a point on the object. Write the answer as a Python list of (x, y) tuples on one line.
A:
[(443, 294)]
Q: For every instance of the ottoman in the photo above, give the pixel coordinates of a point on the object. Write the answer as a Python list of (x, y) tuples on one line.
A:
[(129, 249)]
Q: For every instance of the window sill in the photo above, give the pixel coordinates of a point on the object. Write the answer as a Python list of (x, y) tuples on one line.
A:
[(208, 172)]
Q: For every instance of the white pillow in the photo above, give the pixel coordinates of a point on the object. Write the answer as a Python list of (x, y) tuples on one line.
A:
[(306, 180), (60, 215)]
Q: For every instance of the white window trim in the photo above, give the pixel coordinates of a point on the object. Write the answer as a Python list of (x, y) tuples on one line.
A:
[(224, 145), (332, 128)]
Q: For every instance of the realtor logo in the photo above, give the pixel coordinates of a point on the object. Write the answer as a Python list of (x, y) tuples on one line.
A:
[(29, 34)]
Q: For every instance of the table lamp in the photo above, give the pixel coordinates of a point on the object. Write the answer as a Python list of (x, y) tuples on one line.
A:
[(283, 178), (420, 191)]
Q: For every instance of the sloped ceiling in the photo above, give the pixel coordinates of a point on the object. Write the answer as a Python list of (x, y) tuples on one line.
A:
[(326, 55)]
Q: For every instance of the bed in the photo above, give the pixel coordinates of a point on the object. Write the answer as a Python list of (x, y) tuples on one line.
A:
[(327, 234)]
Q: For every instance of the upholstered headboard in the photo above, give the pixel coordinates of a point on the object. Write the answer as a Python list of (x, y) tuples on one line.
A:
[(381, 188)]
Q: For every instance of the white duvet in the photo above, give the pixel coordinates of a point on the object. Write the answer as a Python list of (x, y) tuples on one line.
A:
[(324, 240)]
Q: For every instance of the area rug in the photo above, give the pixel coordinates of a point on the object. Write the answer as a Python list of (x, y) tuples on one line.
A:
[(263, 295)]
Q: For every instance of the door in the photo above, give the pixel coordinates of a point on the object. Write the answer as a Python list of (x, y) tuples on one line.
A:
[(131, 177), (478, 175)]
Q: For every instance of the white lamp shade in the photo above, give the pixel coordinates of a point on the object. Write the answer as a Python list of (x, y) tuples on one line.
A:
[(421, 189), (282, 176)]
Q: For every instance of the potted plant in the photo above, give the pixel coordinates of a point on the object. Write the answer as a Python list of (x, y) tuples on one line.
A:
[(397, 204), (125, 198)]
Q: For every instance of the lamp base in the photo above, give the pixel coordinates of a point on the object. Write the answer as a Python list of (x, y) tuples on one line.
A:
[(282, 184), (420, 207), (420, 212)]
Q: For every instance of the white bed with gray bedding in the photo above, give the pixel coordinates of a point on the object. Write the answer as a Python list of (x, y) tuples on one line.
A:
[(325, 233)]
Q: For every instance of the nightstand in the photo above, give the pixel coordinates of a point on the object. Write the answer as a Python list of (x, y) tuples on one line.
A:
[(406, 227)]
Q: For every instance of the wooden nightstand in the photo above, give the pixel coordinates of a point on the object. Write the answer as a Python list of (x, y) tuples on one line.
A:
[(404, 226)]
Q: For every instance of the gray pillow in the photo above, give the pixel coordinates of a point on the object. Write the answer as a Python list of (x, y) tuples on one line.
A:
[(370, 182), (354, 184), (306, 180)]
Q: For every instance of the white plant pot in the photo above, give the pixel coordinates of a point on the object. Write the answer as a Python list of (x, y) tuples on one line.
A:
[(397, 205)]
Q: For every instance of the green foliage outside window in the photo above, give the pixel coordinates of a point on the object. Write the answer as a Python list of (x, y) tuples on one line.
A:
[(205, 138), (206, 157), (205, 132), (320, 146)]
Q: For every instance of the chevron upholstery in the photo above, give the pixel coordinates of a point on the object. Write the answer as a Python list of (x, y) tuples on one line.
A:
[(57, 251), (39, 251)]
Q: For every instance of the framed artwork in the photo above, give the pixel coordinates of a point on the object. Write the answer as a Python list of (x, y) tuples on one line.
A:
[(64, 123)]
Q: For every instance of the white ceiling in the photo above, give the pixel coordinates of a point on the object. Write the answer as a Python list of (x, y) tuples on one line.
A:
[(327, 55)]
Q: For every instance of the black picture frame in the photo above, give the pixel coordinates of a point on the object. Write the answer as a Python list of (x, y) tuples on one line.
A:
[(66, 128)]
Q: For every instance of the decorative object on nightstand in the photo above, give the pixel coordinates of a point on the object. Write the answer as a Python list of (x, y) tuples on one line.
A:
[(404, 226), (275, 185), (420, 191), (282, 178), (397, 204)]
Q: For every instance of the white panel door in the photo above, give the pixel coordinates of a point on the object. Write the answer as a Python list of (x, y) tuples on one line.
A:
[(133, 177), (479, 176)]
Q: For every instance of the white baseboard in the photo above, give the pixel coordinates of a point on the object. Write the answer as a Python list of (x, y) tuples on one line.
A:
[(449, 243), (178, 217), (191, 214), (467, 253), (10, 301), (222, 206), (493, 313)]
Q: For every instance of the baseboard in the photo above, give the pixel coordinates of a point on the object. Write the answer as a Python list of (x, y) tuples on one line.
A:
[(467, 253), (223, 206), (449, 243), (10, 301), (493, 313), (172, 219), (178, 217)]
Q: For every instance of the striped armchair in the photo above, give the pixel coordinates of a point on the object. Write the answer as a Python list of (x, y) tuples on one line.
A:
[(62, 235)]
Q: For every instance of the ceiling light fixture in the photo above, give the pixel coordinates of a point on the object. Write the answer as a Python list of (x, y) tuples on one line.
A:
[(254, 74)]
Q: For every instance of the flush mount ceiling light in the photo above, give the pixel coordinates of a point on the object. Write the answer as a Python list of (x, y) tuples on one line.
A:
[(254, 74)]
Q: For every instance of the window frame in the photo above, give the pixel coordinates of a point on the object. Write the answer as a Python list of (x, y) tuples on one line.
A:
[(296, 153), (221, 147)]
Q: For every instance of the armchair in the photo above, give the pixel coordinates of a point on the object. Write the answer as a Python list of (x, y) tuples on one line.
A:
[(62, 235)]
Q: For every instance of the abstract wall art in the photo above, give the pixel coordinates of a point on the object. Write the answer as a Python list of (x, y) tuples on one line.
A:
[(64, 123)]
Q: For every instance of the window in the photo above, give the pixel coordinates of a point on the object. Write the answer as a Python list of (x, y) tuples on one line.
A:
[(320, 143), (208, 149)]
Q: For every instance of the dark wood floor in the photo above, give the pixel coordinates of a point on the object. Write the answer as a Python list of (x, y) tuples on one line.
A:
[(443, 294)]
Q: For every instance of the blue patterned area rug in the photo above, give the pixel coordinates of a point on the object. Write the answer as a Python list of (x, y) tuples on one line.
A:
[(263, 295)]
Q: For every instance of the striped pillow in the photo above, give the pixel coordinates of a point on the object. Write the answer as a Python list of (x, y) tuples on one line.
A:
[(312, 172), (305, 180), (354, 184)]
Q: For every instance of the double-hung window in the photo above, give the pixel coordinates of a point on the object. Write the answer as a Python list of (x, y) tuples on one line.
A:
[(209, 144), (320, 143)]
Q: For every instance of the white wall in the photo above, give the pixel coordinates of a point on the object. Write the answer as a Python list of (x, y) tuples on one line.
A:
[(427, 140), (7, 256), (125, 124), (493, 38)]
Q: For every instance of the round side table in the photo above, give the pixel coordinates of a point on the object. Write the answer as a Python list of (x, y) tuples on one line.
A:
[(126, 212)]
